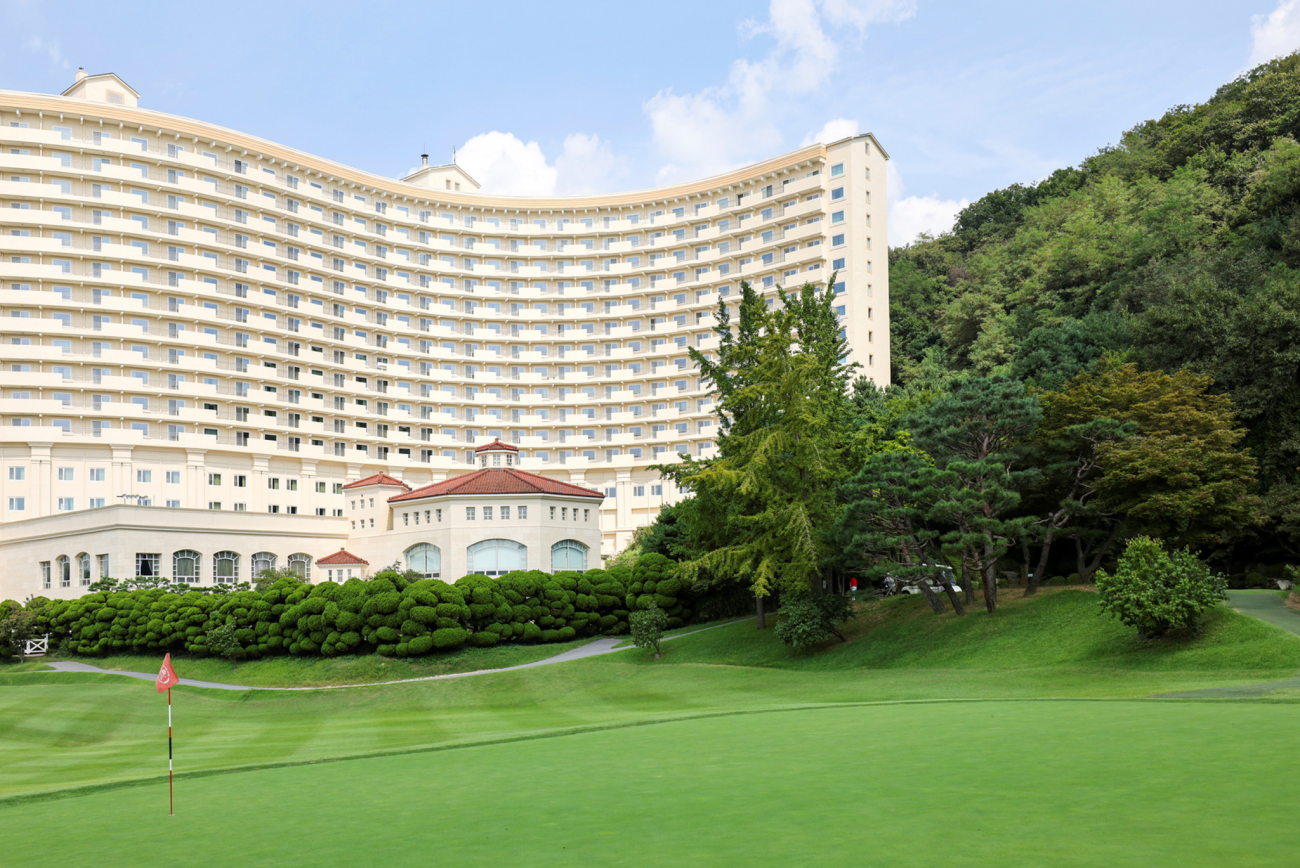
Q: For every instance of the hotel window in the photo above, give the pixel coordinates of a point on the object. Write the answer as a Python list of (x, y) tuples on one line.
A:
[(65, 571), (225, 567), (505, 513), (837, 170), (469, 513), (67, 504), (66, 474), (146, 564), (487, 513), (837, 240), (45, 575), (144, 476)]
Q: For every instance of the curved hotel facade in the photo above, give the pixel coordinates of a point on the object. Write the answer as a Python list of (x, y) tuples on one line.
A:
[(206, 339)]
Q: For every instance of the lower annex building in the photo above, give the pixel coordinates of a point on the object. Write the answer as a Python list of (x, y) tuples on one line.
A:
[(219, 354)]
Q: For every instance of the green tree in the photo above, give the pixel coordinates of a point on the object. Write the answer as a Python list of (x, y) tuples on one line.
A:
[(884, 529), (17, 626), (787, 437), (1180, 474), (222, 642), (976, 436), (1157, 591), (647, 627), (808, 620)]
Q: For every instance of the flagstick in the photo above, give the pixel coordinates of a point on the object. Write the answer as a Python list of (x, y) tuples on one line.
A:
[(170, 803)]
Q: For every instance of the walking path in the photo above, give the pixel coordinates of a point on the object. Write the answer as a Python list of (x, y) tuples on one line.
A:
[(606, 645), (1266, 606)]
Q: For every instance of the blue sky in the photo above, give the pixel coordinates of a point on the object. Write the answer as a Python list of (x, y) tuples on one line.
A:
[(599, 97)]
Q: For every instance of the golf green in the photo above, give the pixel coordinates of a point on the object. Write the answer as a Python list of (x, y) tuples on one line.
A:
[(935, 783)]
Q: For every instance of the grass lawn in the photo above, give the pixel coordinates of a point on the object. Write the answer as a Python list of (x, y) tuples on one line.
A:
[(729, 750), (984, 783)]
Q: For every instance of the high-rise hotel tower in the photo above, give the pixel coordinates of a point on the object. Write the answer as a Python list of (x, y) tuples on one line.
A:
[(200, 328)]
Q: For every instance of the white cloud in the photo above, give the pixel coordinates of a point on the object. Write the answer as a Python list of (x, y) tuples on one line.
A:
[(504, 164), (833, 131), (587, 165), (914, 215), (50, 48), (725, 125), (507, 165), (1276, 33)]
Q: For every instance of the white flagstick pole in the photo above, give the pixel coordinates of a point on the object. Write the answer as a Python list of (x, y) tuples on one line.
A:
[(170, 803)]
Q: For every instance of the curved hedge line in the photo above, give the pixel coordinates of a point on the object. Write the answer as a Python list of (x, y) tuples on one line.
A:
[(388, 614)]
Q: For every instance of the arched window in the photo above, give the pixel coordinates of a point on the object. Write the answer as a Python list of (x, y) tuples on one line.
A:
[(185, 566), (83, 568), (262, 561), (65, 571), (300, 566), (225, 568), (425, 558), (568, 554), (496, 557)]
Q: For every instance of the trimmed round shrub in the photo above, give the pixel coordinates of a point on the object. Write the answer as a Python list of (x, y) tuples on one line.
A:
[(449, 637)]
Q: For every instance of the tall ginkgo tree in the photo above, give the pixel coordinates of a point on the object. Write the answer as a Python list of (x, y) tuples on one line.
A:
[(782, 379)]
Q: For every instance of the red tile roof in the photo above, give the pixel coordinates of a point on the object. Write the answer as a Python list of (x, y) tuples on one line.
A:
[(503, 480), (340, 557), (376, 479), (497, 445)]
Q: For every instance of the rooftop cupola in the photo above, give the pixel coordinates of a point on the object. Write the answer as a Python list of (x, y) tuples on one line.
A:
[(497, 454)]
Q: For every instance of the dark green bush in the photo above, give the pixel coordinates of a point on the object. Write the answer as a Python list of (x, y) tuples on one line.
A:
[(1156, 591)]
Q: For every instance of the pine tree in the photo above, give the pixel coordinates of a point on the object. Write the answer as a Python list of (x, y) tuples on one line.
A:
[(884, 526), (976, 437)]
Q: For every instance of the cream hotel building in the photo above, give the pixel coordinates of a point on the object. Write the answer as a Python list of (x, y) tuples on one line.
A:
[(207, 338)]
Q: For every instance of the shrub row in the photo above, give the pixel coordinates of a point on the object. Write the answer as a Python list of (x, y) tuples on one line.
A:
[(390, 614)]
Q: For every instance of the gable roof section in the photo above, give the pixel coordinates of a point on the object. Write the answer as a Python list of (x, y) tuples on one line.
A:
[(506, 480), (377, 479), (497, 446), (111, 75), (341, 557)]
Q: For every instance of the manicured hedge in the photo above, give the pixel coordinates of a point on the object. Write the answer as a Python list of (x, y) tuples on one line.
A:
[(654, 583), (388, 614)]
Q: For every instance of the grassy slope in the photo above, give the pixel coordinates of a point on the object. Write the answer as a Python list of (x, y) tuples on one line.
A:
[(977, 784), (1058, 629), (316, 671), (60, 730)]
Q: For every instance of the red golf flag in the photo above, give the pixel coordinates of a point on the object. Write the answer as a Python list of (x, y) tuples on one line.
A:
[(166, 676)]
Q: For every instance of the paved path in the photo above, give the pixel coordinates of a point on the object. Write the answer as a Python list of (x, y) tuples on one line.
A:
[(1267, 606), (606, 645)]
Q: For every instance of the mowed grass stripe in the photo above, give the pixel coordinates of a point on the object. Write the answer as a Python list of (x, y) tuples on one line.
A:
[(1042, 783), (67, 730)]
